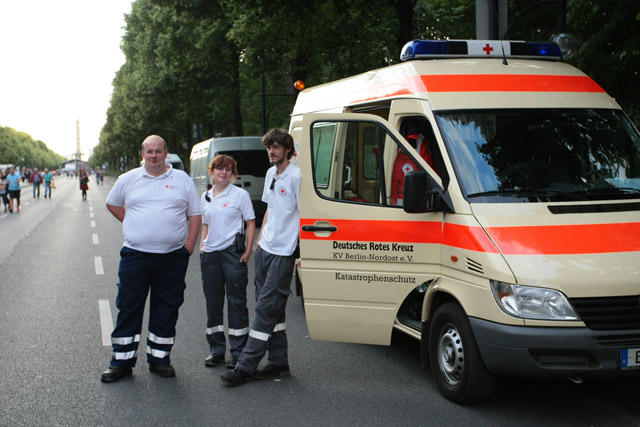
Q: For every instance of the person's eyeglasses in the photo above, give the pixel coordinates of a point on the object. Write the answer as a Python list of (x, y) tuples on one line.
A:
[(273, 183)]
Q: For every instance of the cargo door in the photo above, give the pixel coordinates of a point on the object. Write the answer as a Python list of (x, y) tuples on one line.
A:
[(361, 253)]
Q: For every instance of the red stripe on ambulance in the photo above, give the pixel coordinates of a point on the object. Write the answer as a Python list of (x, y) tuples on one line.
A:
[(508, 83), (527, 240)]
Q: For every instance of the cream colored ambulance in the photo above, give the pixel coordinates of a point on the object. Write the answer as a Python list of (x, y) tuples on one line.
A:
[(483, 197)]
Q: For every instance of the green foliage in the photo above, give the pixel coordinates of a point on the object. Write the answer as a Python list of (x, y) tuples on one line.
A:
[(610, 52), (16, 146), (446, 19), (194, 68)]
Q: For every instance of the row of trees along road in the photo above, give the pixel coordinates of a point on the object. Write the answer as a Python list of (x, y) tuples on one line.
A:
[(18, 148), (194, 67)]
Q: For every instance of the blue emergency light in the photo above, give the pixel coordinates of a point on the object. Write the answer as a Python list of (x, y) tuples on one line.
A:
[(431, 49)]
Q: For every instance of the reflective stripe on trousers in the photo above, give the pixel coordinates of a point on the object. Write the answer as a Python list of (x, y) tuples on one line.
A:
[(268, 331)]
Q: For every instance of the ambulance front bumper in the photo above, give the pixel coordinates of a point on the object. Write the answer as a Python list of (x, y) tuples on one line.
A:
[(518, 351)]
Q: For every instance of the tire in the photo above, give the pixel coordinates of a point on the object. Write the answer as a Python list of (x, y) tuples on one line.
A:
[(463, 379)]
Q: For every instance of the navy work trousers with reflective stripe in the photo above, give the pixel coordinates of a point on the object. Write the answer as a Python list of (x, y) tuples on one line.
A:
[(268, 331), (223, 272), (141, 273)]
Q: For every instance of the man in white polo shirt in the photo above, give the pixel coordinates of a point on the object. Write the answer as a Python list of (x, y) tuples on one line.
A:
[(274, 261), (159, 208)]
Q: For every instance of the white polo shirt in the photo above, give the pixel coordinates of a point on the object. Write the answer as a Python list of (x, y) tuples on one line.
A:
[(156, 208), (280, 234), (225, 215)]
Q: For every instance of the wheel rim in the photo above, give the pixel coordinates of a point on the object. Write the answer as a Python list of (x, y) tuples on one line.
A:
[(451, 355)]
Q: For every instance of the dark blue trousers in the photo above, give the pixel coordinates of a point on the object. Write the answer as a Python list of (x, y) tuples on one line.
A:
[(162, 277)]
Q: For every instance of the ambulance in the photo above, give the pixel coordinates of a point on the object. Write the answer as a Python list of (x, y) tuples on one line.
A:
[(483, 197)]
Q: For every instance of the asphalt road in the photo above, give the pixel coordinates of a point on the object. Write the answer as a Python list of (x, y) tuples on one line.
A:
[(58, 274)]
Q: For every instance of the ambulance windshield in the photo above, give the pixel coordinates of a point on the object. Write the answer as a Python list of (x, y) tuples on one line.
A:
[(542, 155)]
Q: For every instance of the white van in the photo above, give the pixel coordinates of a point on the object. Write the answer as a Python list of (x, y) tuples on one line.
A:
[(482, 197), (173, 159), (252, 159)]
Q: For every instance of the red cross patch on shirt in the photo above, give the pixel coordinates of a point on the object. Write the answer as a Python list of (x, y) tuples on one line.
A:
[(407, 167), (281, 191)]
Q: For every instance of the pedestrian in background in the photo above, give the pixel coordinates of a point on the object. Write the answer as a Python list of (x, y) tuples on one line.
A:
[(274, 261), (36, 179), (224, 253), (13, 178), (159, 208), (4, 190), (48, 183), (84, 183)]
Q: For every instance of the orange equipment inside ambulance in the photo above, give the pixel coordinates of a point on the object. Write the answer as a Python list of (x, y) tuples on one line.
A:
[(512, 249)]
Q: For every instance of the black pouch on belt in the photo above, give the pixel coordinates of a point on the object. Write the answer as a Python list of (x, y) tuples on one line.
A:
[(238, 243)]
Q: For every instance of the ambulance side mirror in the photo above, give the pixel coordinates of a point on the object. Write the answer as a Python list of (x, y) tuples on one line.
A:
[(421, 193)]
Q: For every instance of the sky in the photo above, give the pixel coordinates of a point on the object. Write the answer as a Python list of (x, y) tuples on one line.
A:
[(58, 59)]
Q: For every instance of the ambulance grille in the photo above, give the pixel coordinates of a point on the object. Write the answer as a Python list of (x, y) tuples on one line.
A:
[(609, 313), (475, 266)]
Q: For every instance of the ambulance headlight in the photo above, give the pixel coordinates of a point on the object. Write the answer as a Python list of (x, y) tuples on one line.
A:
[(528, 302)]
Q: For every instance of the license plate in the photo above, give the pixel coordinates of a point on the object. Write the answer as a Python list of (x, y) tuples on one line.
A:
[(630, 358)]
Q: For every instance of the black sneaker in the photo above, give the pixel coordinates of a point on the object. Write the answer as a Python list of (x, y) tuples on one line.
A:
[(214, 360), (235, 377), (231, 363), (272, 371)]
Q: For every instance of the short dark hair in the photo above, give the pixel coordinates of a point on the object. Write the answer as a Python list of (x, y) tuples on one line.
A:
[(280, 136)]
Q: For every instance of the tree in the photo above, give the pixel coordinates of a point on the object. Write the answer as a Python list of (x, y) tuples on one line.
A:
[(194, 68), (18, 148)]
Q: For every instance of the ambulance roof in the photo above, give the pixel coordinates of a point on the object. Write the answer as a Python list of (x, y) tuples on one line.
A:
[(465, 81)]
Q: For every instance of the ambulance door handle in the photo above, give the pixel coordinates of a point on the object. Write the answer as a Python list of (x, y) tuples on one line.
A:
[(330, 228), (348, 181)]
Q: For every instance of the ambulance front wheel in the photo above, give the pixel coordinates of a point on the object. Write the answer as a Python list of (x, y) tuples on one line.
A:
[(456, 364)]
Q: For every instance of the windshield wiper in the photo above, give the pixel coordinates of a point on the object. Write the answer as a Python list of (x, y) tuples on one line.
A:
[(527, 192), (608, 191)]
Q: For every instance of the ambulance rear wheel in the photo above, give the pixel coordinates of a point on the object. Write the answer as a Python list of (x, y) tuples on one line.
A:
[(458, 369)]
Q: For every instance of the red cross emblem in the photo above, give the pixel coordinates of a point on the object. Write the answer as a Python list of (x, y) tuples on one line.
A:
[(407, 167), (282, 191), (166, 186), (488, 49), (225, 205)]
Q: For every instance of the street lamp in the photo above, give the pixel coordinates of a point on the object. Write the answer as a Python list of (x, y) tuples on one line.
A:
[(566, 40), (298, 85)]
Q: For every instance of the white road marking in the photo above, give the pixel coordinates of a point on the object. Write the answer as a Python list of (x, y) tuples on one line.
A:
[(95, 239), (93, 224), (90, 208), (97, 261), (106, 321), (91, 215)]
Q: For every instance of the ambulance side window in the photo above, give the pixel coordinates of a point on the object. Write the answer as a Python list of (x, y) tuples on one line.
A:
[(353, 162)]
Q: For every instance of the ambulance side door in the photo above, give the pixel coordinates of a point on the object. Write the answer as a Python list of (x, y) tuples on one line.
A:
[(361, 253)]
